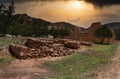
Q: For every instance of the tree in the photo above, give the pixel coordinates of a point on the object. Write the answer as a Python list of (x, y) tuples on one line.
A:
[(102, 33), (60, 32), (11, 9), (2, 7), (54, 32), (65, 32), (6, 11)]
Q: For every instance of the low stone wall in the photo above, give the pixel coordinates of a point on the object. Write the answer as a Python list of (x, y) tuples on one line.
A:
[(34, 48)]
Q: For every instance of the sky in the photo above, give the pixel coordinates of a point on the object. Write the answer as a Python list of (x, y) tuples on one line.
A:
[(78, 12)]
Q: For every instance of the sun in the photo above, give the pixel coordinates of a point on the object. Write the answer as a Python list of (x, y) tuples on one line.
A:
[(77, 3), (76, 6)]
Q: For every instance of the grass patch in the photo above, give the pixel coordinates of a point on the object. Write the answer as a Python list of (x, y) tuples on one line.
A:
[(107, 50), (75, 66), (5, 56), (6, 41), (7, 59)]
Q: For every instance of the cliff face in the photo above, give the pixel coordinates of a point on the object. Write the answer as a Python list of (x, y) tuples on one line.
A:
[(88, 35), (82, 34)]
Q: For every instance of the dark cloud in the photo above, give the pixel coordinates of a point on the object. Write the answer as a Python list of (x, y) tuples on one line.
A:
[(102, 3), (96, 3), (4, 1), (29, 0), (20, 0)]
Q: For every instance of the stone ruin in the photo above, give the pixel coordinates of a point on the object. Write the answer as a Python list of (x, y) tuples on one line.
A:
[(34, 48)]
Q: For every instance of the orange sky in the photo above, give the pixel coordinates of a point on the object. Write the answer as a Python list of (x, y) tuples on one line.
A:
[(76, 12)]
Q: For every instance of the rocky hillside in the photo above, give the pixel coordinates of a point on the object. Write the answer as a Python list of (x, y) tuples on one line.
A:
[(24, 25), (65, 24), (24, 19)]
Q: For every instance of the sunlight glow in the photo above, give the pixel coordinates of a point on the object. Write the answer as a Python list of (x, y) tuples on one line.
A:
[(74, 11), (77, 3)]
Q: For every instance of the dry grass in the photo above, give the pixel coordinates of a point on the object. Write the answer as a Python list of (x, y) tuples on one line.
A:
[(5, 56)]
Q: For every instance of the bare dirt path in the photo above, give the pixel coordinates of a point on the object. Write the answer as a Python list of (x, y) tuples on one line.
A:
[(26, 69), (111, 71)]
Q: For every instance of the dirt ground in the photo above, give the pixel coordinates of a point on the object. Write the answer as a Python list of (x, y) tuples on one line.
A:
[(111, 71), (34, 69), (26, 69)]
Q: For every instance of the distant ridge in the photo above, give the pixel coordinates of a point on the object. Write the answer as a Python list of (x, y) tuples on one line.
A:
[(66, 24), (24, 18), (28, 20), (116, 26), (24, 25)]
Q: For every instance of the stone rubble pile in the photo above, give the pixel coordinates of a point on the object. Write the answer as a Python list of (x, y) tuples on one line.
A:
[(34, 48)]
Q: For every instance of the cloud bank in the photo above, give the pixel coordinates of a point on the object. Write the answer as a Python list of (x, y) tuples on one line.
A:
[(96, 3), (102, 3)]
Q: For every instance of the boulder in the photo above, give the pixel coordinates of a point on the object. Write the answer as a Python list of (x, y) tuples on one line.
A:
[(72, 44), (86, 43), (18, 50)]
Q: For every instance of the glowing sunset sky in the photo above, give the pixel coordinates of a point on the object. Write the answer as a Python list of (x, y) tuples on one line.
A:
[(79, 13)]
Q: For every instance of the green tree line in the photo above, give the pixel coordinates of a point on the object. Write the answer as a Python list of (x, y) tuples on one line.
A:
[(24, 25)]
